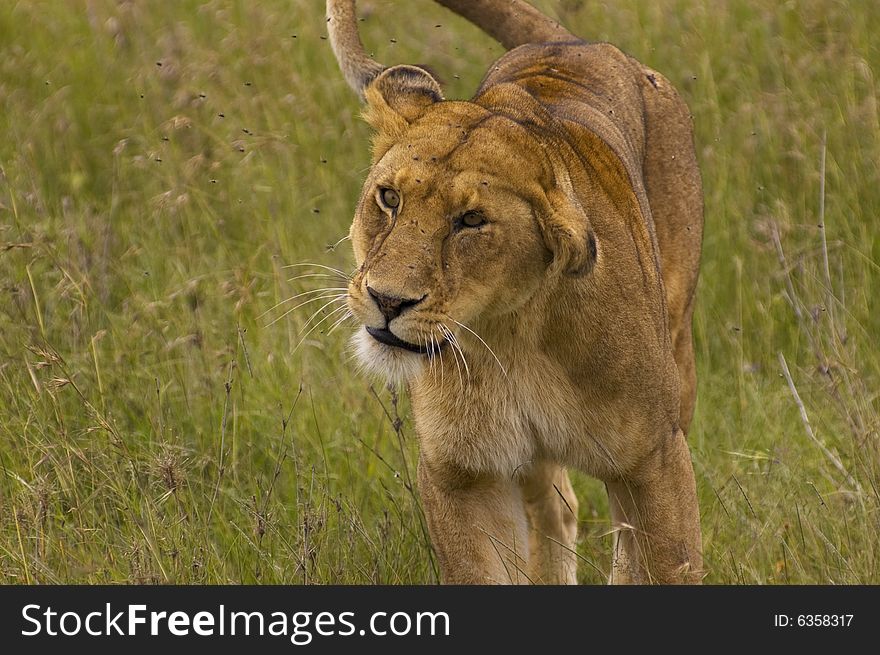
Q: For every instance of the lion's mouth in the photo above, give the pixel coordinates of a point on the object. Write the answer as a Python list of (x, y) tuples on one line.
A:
[(390, 339)]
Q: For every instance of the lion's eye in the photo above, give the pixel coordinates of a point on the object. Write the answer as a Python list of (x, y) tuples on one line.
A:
[(471, 219), (389, 198)]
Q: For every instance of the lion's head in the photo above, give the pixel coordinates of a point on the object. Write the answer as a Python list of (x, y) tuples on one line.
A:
[(462, 218)]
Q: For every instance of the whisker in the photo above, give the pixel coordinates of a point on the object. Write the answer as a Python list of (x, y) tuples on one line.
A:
[(304, 275), (329, 268), (303, 304), (457, 345), (333, 247), (326, 318), (467, 369), (447, 334), (492, 352), (345, 317), (300, 295), (436, 343), (457, 367), (424, 344), (427, 354), (338, 298), (315, 327)]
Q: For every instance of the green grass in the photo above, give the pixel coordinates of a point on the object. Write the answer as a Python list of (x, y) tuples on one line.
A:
[(162, 163)]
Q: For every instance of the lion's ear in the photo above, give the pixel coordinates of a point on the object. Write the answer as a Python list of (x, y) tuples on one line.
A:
[(566, 229), (398, 96)]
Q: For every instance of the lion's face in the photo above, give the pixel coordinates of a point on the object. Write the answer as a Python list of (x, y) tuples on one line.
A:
[(445, 233), (459, 221)]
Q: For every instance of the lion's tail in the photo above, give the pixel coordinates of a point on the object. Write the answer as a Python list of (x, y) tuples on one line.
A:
[(357, 66), (510, 22)]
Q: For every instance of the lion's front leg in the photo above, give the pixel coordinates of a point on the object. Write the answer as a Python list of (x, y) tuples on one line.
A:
[(477, 524), (552, 510), (656, 520)]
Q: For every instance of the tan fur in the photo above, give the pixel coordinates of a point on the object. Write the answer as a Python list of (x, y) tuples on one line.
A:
[(564, 320)]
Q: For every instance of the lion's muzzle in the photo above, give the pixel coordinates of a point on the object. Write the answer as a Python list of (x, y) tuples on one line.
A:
[(390, 339), (391, 306)]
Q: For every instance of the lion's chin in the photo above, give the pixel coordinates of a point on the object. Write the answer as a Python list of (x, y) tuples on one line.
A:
[(394, 364)]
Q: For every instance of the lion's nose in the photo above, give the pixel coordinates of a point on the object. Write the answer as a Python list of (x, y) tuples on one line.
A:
[(390, 306)]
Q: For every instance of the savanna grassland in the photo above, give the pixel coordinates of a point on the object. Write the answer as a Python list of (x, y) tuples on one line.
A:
[(164, 417)]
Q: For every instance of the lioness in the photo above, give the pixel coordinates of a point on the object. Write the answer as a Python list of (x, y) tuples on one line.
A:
[(526, 265)]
